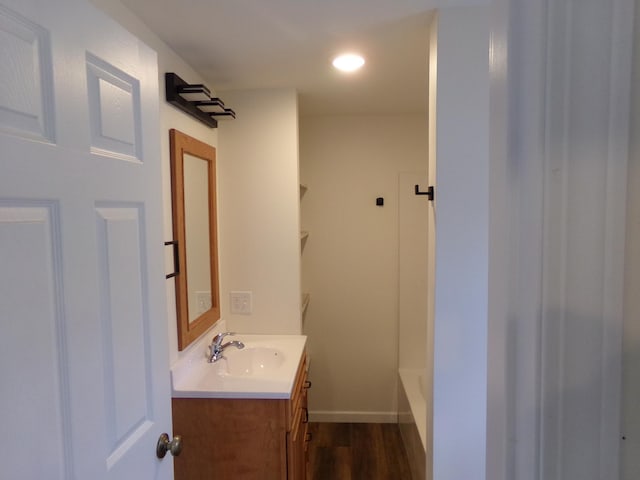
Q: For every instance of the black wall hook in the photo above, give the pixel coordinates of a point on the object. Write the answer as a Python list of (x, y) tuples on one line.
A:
[(430, 193)]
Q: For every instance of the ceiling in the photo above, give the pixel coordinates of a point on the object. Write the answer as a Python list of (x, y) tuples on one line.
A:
[(247, 44)]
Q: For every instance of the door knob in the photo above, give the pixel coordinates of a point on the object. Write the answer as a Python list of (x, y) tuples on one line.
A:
[(174, 447)]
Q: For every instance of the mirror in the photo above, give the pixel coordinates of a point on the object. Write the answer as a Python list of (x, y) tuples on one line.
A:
[(193, 195)]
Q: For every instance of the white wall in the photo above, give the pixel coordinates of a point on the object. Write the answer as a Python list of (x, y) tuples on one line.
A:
[(258, 210), (350, 261), (170, 117), (461, 245), (501, 204), (412, 270), (259, 224), (431, 242)]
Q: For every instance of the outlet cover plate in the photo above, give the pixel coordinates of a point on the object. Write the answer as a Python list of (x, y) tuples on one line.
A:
[(241, 303), (203, 300)]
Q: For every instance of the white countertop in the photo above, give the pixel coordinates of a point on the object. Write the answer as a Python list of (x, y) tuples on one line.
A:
[(265, 368)]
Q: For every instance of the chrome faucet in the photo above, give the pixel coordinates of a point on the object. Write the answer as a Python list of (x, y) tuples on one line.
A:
[(217, 347)]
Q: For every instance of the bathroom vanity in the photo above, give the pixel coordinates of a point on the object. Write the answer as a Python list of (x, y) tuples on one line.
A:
[(246, 415)]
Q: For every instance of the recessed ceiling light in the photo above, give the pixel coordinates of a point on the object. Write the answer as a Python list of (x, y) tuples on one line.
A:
[(349, 62)]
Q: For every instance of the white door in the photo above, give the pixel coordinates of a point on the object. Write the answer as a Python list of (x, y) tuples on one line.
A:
[(83, 344), (459, 234)]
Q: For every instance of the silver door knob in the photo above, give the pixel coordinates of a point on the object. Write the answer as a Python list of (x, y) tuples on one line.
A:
[(174, 447)]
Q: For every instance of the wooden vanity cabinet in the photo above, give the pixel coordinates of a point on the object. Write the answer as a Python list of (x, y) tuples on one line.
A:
[(297, 436), (261, 439)]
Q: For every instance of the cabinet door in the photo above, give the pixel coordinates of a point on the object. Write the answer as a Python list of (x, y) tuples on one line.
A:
[(297, 437), (304, 428), (296, 461)]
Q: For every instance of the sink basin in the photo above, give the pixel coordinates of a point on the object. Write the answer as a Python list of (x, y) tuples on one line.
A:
[(250, 362), (265, 368)]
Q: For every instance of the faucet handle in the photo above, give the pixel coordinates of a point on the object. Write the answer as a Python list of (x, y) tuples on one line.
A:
[(217, 340)]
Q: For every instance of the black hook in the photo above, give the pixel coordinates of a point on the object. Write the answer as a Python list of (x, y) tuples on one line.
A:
[(430, 193)]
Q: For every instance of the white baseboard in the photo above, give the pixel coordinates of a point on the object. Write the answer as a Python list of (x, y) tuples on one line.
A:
[(353, 417)]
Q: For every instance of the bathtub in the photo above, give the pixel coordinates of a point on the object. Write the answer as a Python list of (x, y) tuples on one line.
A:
[(412, 418)]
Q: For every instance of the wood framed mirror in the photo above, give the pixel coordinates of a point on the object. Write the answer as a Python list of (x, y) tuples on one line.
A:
[(193, 195)]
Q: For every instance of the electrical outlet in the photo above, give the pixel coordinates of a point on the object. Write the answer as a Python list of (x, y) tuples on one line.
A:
[(241, 303), (203, 300)]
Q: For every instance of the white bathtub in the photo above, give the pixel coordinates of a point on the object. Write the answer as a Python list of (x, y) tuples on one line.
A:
[(412, 418)]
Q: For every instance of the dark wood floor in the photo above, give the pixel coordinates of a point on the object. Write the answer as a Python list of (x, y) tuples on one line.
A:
[(357, 451)]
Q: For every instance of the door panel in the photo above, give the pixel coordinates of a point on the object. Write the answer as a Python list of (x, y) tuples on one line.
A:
[(26, 99), (83, 348), (32, 332), (114, 110), (124, 322)]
